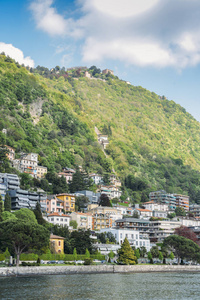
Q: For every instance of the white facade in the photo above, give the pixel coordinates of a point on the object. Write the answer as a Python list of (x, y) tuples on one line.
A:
[(97, 179), (156, 206), (134, 237), (59, 219), (189, 222)]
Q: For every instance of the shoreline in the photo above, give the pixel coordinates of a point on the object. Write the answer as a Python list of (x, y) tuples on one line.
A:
[(93, 269)]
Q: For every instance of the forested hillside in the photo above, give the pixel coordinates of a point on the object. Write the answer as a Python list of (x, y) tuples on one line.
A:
[(153, 143)]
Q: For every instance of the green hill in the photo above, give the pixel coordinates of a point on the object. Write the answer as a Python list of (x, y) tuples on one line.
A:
[(153, 143)]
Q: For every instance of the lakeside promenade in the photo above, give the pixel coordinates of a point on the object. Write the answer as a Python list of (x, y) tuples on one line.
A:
[(58, 270)]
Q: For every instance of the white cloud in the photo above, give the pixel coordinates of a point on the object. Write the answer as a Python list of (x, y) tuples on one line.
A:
[(145, 33), (16, 54)]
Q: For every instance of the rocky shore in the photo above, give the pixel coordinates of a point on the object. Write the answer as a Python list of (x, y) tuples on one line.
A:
[(58, 270)]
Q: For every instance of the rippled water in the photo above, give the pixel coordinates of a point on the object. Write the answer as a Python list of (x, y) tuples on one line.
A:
[(138, 286)]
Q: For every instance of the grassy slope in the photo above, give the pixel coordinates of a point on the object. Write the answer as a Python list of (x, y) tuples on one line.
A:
[(154, 139)]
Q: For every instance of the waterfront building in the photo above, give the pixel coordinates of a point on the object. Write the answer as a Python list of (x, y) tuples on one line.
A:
[(160, 229), (105, 249), (140, 225), (154, 206), (135, 237), (57, 243)]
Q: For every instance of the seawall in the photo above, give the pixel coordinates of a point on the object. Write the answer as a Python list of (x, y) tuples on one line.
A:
[(58, 270)]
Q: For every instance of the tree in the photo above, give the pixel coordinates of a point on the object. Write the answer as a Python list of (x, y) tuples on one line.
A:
[(182, 248), (104, 200), (26, 215), (74, 224), (149, 255), (171, 256), (6, 215), (160, 256), (171, 215), (1, 208), (186, 232), (154, 252), (87, 253), (81, 240), (137, 253), (106, 238), (179, 211), (7, 203), (38, 214), (136, 214), (23, 235), (111, 254), (74, 254), (126, 254), (143, 251), (81, 202)]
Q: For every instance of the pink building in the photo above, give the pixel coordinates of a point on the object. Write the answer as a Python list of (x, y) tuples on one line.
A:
[(54, 204)]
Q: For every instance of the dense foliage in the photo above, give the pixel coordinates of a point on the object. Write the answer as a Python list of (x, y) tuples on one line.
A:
[(153, 142)]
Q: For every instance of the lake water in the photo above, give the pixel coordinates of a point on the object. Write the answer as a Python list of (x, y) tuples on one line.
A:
[(139, 286)]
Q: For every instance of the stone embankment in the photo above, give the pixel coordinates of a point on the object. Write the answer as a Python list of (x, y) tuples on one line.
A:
[(58, 270)]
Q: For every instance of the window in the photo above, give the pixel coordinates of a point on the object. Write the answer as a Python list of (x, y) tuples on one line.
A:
[(52, 219), (61, 219), (57, 219), (120, 235), (59, 243), (132, 236), (126, 235)]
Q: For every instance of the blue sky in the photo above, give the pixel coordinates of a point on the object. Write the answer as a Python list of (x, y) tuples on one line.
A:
[(151, 43)]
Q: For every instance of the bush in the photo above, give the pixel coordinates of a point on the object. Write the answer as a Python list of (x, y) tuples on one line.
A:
[(88, 261), (28, 264)]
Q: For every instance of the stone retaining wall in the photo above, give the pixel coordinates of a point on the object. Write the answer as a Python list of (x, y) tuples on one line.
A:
[(56, 270)]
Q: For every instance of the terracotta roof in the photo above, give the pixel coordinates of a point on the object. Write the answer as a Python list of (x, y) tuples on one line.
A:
[(52, 236), (149, 202), (58, 215), (147, 210)]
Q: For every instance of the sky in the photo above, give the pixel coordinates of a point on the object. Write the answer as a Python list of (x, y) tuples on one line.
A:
[(151, 43)]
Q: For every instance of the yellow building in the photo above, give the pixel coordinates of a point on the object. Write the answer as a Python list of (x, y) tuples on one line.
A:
[(57, 243), (69, 201)]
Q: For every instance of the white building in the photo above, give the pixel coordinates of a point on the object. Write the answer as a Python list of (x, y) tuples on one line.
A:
[(97, 179), (144, 213), (151, 205), (59, 219), (134, 237)]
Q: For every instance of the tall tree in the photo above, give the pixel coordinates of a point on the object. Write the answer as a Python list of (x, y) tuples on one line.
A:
[(23, 235), (38, 214), (7, 203), (104, 200), (126, 254), (1, 208)]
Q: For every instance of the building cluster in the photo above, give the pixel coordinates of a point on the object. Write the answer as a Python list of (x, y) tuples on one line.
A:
[(142, 225), (27, 163)]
